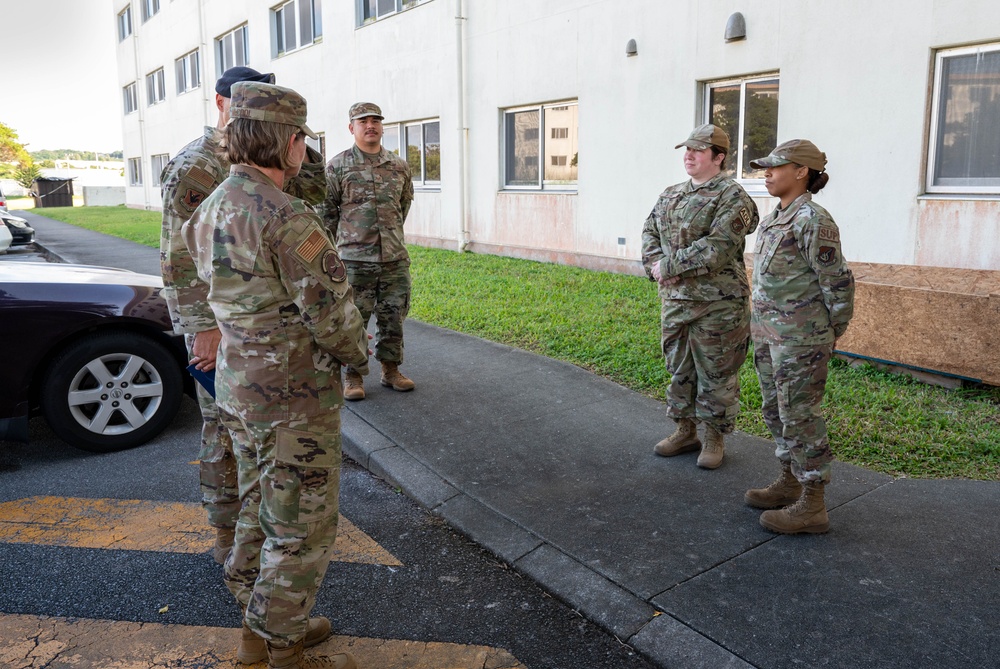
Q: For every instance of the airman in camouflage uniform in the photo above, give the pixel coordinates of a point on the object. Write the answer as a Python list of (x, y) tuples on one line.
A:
[(191, 176), (280, 294), (803, 299), (692, 245), (369, 191)]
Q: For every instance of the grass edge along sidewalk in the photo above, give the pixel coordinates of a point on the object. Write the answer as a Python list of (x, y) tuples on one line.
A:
[(609, 324)]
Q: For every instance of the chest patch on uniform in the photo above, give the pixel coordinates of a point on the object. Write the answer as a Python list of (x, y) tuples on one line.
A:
[(829, 234), (334, 266), (313, 244), (827, 255), (202, 177), (191, 198)]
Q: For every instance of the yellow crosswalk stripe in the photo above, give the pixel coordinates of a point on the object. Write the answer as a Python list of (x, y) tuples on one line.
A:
[(34, 642), (140, 525)]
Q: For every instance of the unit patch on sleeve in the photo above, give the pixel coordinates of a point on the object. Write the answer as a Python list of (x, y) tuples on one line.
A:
[(191, 198), (740, 223), (334, 266), (827, 255)]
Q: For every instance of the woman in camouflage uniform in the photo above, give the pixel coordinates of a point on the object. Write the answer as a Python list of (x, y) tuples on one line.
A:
[(803, 298)]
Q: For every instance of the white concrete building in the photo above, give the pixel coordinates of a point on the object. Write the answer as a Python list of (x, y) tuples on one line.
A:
[(533, 132)]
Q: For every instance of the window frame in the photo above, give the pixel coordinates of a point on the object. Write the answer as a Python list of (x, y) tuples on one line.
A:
[(420, 181), (156, 82), (360, 7), (156, 170), (130, 98), (150, 8), (734, 159), (188, 74), (278, 23), (541, 186), (221, 58), (134, 171), (934, 128), (125, 23)]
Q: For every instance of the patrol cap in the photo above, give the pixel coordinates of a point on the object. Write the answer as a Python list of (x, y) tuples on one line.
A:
[(705, 136), (266, 102), (362, 109), (224, 85), (798, 151)]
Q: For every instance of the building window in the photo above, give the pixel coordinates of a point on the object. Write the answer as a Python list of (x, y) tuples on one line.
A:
[(130, 97), (188, 71), (125, 23), (964, 148), (423, 149), (747, 109), (134, 172), (232, 50), (156, 89), (294, 25), (149, 9), (372, 10), (158, 162), (540, 147), (318, 144)]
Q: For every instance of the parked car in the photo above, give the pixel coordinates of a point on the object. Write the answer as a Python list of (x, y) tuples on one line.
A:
[(20, 231), (5, 238), (91, 349), (3, 200)]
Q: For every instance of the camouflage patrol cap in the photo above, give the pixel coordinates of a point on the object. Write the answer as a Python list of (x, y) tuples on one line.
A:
[(267, 102), (362, 109), (225, 83), (798, 151), (705, 136)]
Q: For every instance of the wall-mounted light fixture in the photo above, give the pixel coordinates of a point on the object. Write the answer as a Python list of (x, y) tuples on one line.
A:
[(736, 28), (631, 49)]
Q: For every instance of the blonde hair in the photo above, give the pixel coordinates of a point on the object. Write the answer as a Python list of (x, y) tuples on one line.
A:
[(260, 143)]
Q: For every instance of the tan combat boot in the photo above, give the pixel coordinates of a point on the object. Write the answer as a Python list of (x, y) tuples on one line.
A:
[(224, 537), (808, 515), (393, 378), (354, 386), (782, 492), (683, 440), (712, 450), (252, 648), (291, 658)]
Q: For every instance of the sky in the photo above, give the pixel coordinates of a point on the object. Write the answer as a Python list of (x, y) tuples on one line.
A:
[(60, 75)]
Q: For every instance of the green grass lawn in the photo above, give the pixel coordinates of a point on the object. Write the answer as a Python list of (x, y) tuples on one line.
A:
[(609, 324)]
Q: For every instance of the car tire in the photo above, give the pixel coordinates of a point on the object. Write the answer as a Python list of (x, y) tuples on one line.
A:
[(89, 394)]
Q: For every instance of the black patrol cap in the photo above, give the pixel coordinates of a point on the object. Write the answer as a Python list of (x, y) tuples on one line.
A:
[(234, 74)]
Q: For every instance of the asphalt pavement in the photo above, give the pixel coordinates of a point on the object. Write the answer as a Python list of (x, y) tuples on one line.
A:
[(552, 468)]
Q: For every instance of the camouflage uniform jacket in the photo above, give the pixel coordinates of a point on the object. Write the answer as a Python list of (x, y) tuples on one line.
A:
[(698, 233), (367, 204), (803, 290), (187, 180), (279, 292)]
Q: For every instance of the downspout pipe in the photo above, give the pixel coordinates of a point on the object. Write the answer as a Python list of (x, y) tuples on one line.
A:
[(463, 127)]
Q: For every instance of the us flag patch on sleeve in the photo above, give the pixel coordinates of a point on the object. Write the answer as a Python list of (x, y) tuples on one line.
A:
[(313, 244)]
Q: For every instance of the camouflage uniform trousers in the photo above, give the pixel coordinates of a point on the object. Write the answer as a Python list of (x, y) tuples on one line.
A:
[(290, 485), (704, 345), (217, 469), (792, 383), (382, 289)]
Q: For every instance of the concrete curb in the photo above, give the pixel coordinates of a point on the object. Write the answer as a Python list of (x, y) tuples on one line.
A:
[(664, 640)]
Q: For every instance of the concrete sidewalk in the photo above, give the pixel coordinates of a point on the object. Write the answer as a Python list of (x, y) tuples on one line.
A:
[(552, 468)]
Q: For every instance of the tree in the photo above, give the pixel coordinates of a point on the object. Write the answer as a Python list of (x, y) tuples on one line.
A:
[(11, 149), (25, 176)]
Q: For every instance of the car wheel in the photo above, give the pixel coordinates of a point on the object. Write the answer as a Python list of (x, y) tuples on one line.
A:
[(112, 390)]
